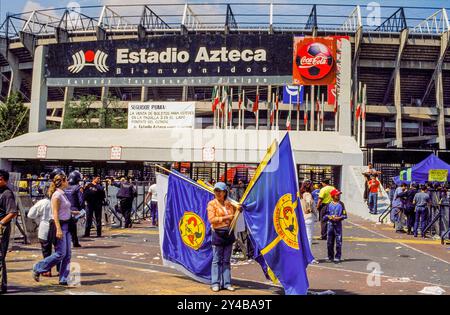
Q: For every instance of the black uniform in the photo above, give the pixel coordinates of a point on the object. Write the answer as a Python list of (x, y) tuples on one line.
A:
[(94, 195), (7, 206), (75, 196), (125, 195), (409, 208)]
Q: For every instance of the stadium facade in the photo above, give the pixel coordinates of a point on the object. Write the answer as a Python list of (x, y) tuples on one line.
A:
[(401, 57)]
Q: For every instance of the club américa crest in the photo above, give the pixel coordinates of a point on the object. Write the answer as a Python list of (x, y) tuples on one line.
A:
[(192, 230), (285, 220)]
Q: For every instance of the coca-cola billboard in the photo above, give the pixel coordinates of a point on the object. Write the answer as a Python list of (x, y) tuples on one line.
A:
[(314, 61)]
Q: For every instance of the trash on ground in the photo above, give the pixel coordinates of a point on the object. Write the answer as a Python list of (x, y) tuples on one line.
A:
[(432, 290)]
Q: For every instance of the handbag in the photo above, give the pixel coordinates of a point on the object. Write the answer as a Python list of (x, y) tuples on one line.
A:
[(222, 237)]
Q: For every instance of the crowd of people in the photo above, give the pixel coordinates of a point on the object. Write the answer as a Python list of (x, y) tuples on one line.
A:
[(67, 200), (412, 205)]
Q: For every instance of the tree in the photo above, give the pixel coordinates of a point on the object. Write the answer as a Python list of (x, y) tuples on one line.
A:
[(82, 114), (14, 117)]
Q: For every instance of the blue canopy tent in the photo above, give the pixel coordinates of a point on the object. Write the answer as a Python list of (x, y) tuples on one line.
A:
[(432, 169)]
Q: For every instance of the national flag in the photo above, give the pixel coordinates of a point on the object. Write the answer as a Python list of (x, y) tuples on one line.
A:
[(272, 111), (224, 99), (256, 103), (358, 107), (240, 100), (215, 98), (293, 94), (273, 215), (248, 104), (305, 117), (230, 104), (288, 121), (187, 232)]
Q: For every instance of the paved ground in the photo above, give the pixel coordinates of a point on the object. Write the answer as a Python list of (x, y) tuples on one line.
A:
[(127, 261)]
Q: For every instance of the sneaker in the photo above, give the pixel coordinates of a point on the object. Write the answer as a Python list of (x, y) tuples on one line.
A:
[(314, 262), (329, 259), (47, 274), (34, 274), (336, 260), (63, 283), (230, 288), (77, 245), (215, 288)]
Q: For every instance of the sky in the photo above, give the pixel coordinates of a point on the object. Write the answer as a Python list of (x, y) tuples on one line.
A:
[(17, 6)]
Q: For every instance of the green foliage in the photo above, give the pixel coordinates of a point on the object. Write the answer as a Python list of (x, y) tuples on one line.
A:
[(14, 117), (81, 114)]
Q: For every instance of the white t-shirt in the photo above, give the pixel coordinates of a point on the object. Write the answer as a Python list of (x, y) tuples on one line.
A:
[(154, 192)]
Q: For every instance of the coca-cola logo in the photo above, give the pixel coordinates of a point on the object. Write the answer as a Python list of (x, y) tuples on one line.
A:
[(314, 61)]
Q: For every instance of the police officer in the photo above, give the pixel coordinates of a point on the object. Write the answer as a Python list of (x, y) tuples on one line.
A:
[(94, 195), (75, 195), (8, 211), (127, 192), (409, 207), (422, 201)]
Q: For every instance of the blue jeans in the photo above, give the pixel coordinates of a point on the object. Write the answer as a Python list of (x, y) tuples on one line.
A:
[(334, 234), (154, 212), (421, 213), (61, 256), (221, 270), (373, 202)]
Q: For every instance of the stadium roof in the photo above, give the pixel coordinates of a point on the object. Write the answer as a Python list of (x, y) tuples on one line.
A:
[(247, 146), (243, 16)]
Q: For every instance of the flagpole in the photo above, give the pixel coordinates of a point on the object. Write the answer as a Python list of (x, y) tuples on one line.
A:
[(312, 108), (358, 136), (214, 111), (191, 181), (257, 107), (277, 104), (239, 106), (242, 107), (298, 108), (363, 142), (272, 112), (322, 115), (231, 108), (289, 116), (305, 113)]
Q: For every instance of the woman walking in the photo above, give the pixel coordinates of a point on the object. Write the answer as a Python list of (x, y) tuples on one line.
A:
[(310, 212), (61, 216), (220, 214)]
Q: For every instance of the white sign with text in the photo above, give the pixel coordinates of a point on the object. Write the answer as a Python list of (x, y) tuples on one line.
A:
[(165, 115)]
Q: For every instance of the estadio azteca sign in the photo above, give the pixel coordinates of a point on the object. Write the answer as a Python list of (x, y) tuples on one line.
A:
[(314, 61), (174, 56)]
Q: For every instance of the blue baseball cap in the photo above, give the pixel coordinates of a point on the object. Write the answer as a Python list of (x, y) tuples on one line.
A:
[(220, 186)]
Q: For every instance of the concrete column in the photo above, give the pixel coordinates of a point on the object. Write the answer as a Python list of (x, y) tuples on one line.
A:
[(344, 96), (38, 109), (184, 94), (16, 74), (398, 111), (144, 94), (440, 95), (68, 96)]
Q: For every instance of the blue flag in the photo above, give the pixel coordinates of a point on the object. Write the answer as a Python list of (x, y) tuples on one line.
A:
[(292, 93), (274, 217), (187, 232)]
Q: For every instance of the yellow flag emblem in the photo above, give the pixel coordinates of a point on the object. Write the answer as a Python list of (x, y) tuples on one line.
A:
[(192, 230)]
